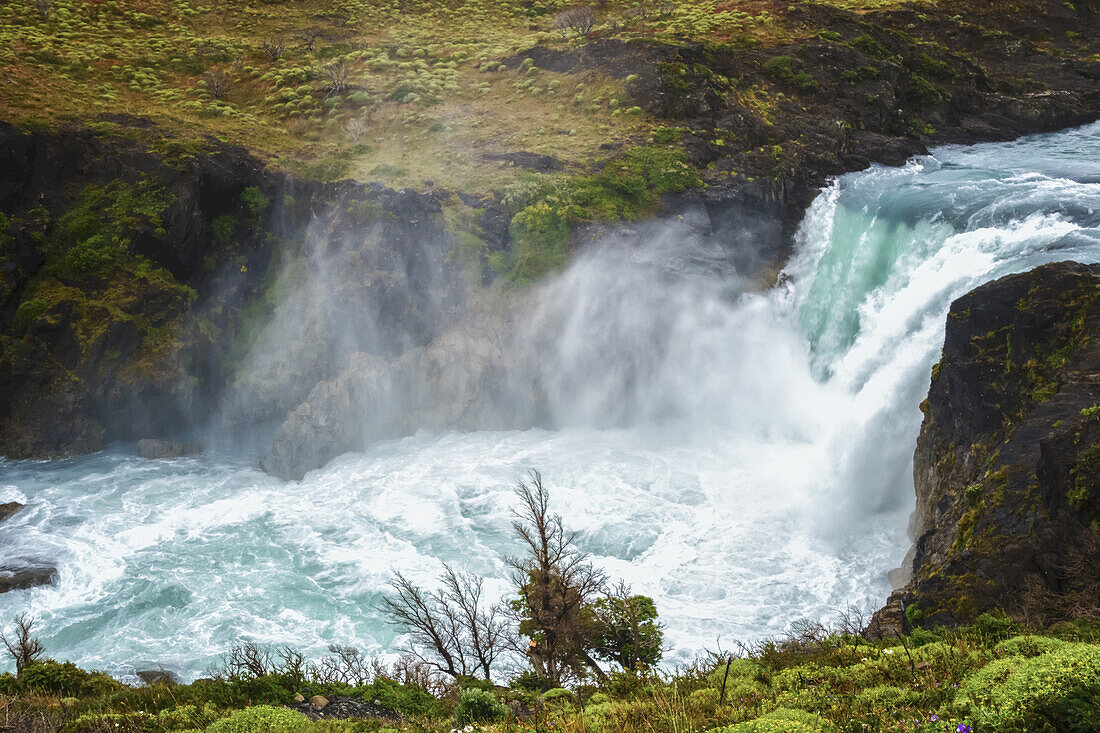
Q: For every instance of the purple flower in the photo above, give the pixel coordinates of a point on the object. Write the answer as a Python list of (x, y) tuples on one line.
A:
[(963, 728), (933, 717)]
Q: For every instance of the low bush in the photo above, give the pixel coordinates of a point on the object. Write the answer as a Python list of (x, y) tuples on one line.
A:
[(1055, 691), (65, 679), (478, 706), (261, 719)]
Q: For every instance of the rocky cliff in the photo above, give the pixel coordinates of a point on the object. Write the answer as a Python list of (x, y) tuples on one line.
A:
[(140, 277), (1007, 466)]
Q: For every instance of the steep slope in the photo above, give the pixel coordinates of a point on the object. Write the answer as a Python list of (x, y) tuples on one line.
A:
[(1007, 466)]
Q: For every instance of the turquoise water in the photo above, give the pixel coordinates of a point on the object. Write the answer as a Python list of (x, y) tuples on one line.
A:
[(743, 457)]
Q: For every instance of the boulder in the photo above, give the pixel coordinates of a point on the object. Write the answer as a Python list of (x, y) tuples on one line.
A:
[(21, 577), (153, 677), (319, 701), (8, 509), (157, 449)]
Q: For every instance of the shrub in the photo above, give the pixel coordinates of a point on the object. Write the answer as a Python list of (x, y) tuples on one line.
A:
[(781, 68), (254, 200), (478, 706), (1028, 646), (66, 679), (223, 228), (557, 694), (783, 720), (261, 719), (1055, 691)]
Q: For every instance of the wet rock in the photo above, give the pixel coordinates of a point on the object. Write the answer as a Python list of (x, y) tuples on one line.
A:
[(1007, 465), (889, 621), (153, 677), (157, 449), (343, 708), (21, 577), (9, 509), (523, 159)]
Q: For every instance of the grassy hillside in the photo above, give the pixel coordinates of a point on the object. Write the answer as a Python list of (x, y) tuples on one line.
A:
[(410, 92)]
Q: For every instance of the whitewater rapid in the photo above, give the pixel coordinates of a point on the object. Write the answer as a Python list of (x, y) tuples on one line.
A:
[(745, 458)]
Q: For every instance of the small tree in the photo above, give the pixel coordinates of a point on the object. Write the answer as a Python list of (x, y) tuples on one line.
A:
[(274, 47), (336, 78), (22, 645), (307, 37), (217, 83), (555, 583), (452, 629), (579, 20), (625, 630), (355, 128)]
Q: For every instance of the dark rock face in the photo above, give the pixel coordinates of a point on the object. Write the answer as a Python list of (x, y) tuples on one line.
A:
[(1007, 466), (172, 336), (876, 86), (30, 575), (154, 449)]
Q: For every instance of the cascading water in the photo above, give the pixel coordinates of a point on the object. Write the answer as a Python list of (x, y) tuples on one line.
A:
[(743, 457)]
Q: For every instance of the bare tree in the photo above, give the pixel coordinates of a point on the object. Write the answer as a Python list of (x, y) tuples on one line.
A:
[(292, 663), (452, 629), (336, 77), (580, 20), (22, 644), (346, 666), (484, 626), (274, 47), (408, 670), (555, 582), (355, 128), (307, 37), (217, 83), (244, 661), (431, 623)]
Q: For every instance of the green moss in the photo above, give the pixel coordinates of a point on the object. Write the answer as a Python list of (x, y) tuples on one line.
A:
[(1086, 473), (627, 188), (28, 311), (223, 229), (872, 48), (924, 94), (781, 68)]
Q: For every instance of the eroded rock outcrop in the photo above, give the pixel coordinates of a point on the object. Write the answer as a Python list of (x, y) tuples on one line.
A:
[(1007, 466)]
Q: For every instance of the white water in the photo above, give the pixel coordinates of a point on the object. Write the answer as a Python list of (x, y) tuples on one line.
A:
[(744, 458)]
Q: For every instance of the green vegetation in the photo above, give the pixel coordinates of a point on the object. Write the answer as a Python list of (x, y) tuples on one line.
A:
[(546, 208), (984, 677), (782, 69)]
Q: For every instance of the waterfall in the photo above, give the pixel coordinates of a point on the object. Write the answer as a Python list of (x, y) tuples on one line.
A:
[(742, 456)]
